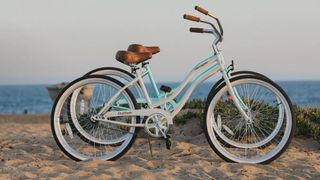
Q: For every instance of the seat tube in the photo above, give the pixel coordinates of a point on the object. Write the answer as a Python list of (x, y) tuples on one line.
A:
[(153, 83), (143, 87)]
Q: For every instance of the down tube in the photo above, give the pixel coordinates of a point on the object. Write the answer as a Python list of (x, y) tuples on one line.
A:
[(199, 69), (198, 80), (108, 104)]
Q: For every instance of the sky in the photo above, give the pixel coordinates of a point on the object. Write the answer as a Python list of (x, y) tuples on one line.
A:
[(45, 41)]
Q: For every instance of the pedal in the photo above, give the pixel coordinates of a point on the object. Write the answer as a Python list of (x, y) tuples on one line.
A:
[(165, 89), (69, 130)]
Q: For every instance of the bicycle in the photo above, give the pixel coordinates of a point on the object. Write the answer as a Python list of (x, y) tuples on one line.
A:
[(249, 118)]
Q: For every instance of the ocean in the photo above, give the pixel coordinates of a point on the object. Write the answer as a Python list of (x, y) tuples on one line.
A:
[(34, 99)]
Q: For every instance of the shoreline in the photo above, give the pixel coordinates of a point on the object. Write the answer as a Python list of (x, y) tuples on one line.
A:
[(25, 118)]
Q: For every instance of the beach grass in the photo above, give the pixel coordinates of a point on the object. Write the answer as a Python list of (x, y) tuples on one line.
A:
[(307, 118), (308, 121)]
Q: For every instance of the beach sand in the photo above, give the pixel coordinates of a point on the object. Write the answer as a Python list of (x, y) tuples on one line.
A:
[(28, 150)]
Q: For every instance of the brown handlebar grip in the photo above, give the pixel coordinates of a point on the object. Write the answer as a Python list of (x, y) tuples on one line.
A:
[(203, 11), (196, 30), (191, 18)]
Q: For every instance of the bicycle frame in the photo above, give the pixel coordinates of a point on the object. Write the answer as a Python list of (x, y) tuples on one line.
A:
[(198, 74), (201, 72)]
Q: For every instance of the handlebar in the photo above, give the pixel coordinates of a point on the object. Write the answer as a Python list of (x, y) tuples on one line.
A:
[(200, 30), (196, 30), (191, 18), (206, 12), (203, 11)]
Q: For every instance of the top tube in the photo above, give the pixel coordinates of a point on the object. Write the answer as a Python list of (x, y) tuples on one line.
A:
[(203, 62), (200, 70)]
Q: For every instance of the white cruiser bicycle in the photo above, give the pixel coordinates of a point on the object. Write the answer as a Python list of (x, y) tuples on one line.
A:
[(248, 117)]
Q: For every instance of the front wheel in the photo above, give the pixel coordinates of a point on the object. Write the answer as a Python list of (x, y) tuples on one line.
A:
[(236, 139)]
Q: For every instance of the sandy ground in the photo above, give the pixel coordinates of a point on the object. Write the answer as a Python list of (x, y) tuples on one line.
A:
[(27, 150)]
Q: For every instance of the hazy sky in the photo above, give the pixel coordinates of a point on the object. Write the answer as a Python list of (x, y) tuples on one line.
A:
[(49, 41)]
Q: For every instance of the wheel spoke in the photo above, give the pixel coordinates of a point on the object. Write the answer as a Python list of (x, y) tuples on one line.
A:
[(92, 139), (252, 142)]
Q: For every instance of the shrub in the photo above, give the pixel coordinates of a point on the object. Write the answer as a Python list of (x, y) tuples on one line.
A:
[(308, 122), (308, 119)]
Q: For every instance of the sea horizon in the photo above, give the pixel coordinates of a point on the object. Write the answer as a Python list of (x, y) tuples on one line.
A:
[(34, 99), (159, 82)]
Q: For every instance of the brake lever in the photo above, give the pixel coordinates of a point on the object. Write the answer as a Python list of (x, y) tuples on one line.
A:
[(230, 67)]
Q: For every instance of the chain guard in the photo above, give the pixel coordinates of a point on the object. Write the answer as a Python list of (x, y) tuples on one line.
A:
[(156, 123)]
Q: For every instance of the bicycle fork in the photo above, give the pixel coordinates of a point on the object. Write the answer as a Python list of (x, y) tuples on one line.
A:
[(232, 91)]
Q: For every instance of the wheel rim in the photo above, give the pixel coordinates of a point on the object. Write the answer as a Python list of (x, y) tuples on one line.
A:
[(252, 126), (88, 148), (217, 136), (80, 127), (122, 77)]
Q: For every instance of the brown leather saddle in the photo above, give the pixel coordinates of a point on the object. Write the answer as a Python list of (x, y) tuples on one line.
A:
[(136, 54)]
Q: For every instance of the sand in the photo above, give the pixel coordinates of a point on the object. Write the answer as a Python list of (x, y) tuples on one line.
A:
[(28, 150)]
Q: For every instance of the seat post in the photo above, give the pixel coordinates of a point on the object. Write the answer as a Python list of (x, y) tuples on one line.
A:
[(143, 87)]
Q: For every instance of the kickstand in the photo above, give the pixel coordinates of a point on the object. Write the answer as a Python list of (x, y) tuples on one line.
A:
[(150, 147), (168, 142)]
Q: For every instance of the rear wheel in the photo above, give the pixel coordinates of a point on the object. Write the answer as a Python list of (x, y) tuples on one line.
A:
[(121, 75), (77, 134), (118, 74), (264, 138)]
